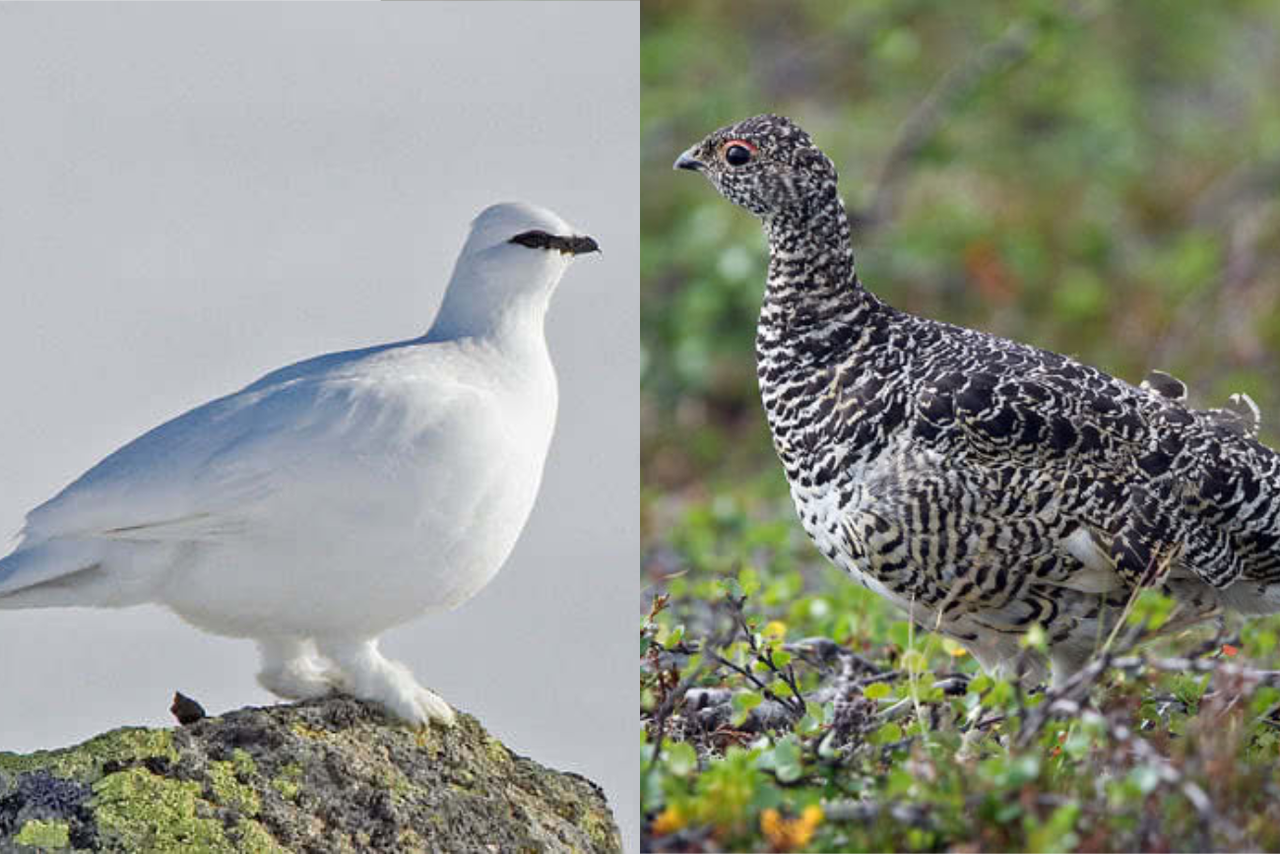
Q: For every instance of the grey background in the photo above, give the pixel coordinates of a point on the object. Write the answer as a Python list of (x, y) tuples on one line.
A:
[(191, 195)]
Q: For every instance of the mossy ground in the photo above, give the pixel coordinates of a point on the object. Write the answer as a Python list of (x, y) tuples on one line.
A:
[(1175, 748), (330, 775)]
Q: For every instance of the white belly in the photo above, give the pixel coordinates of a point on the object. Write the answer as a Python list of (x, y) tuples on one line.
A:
[(386, 538)]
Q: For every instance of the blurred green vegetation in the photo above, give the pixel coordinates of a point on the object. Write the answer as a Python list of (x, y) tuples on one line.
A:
[(1100, 179)]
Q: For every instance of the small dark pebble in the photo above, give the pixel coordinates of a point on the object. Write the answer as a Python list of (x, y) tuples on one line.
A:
[(185, 709)]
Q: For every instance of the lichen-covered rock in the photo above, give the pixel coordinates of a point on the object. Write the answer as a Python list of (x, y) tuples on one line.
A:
[(322, 776)]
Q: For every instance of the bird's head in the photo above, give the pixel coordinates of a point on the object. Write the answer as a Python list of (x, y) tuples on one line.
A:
[(515, 247), (765, 164), (525, 233), (511, 262)]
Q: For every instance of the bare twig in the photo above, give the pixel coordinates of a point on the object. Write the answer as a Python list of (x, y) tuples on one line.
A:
[(795, 703)]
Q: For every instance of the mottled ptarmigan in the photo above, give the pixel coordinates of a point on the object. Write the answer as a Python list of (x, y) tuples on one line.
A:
[(983, 485), (336, 497)]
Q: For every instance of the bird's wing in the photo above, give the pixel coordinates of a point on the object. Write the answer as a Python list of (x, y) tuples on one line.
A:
[(1149, 479), (1074, 416), (992, 547), (977, 532), (207, 474)]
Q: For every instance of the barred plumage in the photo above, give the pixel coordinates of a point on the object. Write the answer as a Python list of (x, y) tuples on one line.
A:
[(982, 484)]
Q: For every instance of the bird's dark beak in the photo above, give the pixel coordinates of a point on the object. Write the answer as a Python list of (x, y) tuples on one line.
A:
[(570, 245), (688, 161), (580, 245)]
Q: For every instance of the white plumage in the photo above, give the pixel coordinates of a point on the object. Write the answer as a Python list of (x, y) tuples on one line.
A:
[(336, 497)]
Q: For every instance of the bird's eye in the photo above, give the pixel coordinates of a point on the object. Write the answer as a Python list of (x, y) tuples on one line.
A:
[(738, 152)]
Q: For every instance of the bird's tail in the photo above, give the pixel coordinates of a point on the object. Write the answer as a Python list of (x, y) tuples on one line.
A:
[(1252, 598), (52, 574)]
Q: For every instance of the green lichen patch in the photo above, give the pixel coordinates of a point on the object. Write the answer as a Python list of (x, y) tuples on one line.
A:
[(286, 783), (229, 791), (496, 750), (305, 731), (46, 835), (139, 811), (136, 810), (252, 836), (243, 763), (85, 761)]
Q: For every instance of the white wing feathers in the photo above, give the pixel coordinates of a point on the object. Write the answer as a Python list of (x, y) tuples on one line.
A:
[(205, 475)]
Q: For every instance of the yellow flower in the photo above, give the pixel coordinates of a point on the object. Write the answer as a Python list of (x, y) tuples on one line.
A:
[(954, 649), (775, 629), (790, 834), (771, 824), (669, 820)]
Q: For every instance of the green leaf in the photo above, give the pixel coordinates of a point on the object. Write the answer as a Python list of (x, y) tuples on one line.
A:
[(1023, 770), (682, 759), (1036, 638), (914, 661), (1189, 689), (887, 734), (808, 725), (876, 690), (1057, 833), (1145, 777), (743, 704), (1000, 695), (900, 783), (900, 634), (1152, 608), (980, 684), (787, 760)]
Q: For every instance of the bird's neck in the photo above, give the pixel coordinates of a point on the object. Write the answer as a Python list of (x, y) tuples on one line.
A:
[(813, 295), (820, 335), (487, 309), (517, 321)]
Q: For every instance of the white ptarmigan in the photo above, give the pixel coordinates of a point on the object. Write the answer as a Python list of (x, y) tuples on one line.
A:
[(337, 497)]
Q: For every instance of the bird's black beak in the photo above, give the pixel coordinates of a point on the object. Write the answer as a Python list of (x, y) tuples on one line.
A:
[(580, 245), (688, 161), (570, 245)]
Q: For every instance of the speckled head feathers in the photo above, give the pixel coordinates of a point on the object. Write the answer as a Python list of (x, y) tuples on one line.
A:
[(766, 164)]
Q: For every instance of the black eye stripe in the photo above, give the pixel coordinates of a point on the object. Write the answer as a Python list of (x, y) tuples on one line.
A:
[(572, 245), (533, 239)]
